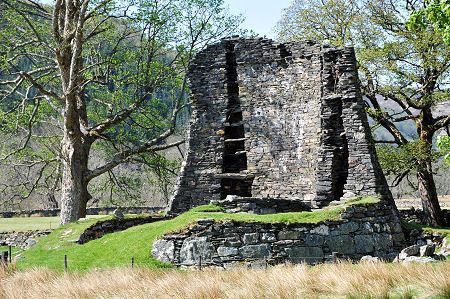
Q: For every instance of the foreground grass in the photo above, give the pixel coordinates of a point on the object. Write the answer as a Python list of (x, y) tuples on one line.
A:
[(21, 224), (344, 280), (117, 249)]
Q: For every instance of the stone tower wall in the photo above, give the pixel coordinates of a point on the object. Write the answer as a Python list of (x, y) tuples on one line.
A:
[(275, 121), (280, 93), (198, 182)]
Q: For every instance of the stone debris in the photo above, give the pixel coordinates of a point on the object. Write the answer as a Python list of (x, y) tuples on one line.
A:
[(409, 251), (163, 250), (22, 240), (418, 259), (118, 214), (370, 259), (427, 250), (420, 253)]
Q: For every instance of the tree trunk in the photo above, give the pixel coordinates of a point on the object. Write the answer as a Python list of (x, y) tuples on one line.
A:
[(85, 197), (428, 195), (427, 188), (74, 195)]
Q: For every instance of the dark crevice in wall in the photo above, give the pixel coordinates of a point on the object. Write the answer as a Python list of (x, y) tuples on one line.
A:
[(234, 156), (284, 54), (334, 166), (341, 155), (240, 187)]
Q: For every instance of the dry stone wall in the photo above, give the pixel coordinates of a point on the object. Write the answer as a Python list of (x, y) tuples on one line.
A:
[(364, 230), (277, 121), (22, 239), (89, 211)]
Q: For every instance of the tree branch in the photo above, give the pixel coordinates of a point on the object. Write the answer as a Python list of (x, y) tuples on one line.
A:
[(382, 118), (441, 122), (125, 155)]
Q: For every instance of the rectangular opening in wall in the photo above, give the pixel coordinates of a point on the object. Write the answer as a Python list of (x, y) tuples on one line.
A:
[(234, 162), (234, 155), (234, 115), (239, 187), (234, 131)]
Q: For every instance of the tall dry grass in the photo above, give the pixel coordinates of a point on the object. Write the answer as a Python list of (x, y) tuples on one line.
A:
[(368, 280)]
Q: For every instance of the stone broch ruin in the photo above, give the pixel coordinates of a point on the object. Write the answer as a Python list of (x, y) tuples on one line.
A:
[(279, 128), (279, 122)]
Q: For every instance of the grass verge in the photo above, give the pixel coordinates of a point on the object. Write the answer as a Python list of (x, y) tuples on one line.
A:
[(117, 249)]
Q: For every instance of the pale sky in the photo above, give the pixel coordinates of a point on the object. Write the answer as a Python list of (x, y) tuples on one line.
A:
[(261, 16)]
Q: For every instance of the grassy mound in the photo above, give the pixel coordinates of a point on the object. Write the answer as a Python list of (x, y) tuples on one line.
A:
[(117, 249)]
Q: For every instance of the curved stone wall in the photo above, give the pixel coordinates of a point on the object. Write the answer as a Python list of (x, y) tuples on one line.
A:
[(364, 230)]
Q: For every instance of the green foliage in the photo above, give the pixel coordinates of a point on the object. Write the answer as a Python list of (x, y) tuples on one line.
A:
[(443, 143), (396, 160), (436, 13), (403, 70), (207, 208), (332, 21), (394, 58)]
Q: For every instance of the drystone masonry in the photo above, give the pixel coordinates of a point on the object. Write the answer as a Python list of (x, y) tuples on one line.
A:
[(89, 211), (101, 228), (277, 121), (364, 230), (255, 205), (22, 239)]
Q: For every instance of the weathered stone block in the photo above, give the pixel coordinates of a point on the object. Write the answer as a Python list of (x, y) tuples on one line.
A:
[(255, 251), (409, 251), (227, 251), (343, 244), (321, 230), (306, 254), (250, 238), (194, 249), (313, 240), (268, 237), (163, 250), (427, 250), (364, 244), (348, 228), (383, 241), (289, 235)]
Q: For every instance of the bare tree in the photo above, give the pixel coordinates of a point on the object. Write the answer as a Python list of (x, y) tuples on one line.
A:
[(104, 74)]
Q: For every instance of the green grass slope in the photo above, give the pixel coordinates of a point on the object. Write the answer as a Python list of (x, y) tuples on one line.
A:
[(118, 248)]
